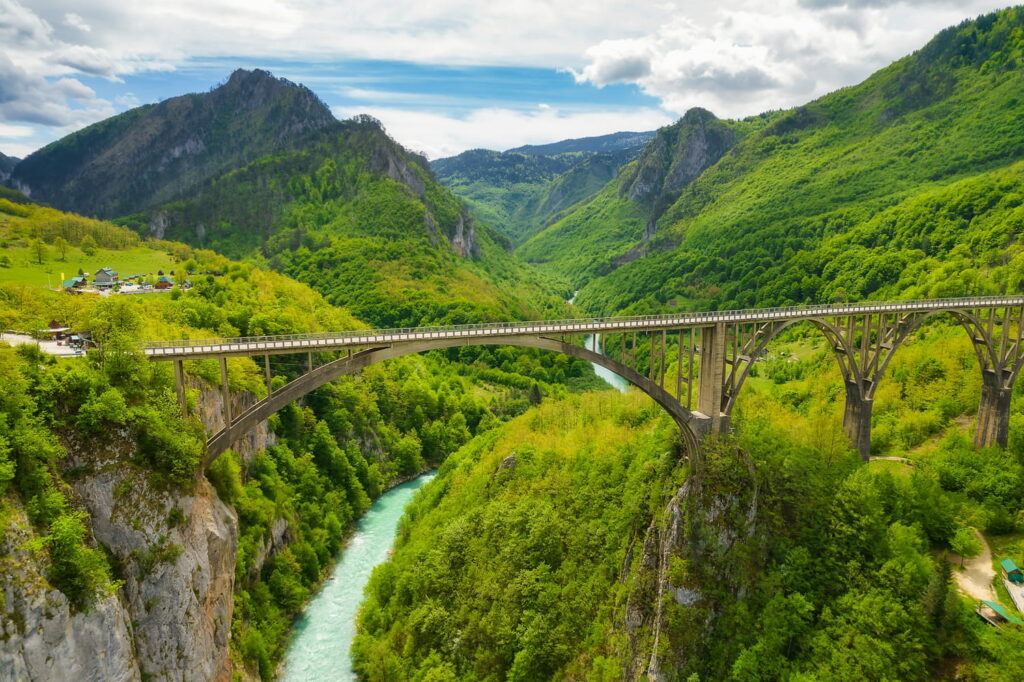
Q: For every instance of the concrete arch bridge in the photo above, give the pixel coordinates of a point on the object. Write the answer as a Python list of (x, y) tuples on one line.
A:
[(714, 352)]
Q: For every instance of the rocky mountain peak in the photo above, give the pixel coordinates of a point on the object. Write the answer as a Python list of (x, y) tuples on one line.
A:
[(676, 156)]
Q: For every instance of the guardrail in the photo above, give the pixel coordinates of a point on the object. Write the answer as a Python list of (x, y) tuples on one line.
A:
[(636, 322)]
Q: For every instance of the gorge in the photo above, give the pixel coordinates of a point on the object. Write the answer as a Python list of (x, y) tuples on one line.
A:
[(318, 316)]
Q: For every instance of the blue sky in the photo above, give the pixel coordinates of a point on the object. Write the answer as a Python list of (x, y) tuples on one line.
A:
[(450, 75)]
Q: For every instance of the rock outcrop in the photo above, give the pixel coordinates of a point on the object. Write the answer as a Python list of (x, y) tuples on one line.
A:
[(175, 553), (676, 156), (41, 636)]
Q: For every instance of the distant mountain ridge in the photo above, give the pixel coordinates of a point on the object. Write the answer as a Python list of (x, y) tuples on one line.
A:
[(520, 191), (612, 142)]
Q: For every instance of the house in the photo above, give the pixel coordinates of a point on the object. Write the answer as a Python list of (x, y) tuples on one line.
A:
[(73, 283), (105, 277), (1011, 571), (164, 282)]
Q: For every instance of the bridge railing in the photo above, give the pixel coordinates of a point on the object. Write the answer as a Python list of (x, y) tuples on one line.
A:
[(685, 318)]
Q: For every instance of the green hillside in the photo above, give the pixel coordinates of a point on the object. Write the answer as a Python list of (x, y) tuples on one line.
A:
[(259, 168), (616, 226), (521, 191), (157, 153), (576, 543), (914, 167)]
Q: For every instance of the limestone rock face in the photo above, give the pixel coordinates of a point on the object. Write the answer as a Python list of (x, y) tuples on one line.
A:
[(675, 158), (178, 557), (210, 408), (41, 638)]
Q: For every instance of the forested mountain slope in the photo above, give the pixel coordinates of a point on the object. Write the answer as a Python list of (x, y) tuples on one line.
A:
[(157, 153), (522, 190), (259, 167), (832, 199), (615, 227)]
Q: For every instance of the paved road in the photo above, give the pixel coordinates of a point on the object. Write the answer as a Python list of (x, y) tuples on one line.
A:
[(50, 347)]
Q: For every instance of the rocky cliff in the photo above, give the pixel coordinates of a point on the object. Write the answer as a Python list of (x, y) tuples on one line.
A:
[(174, 553), (676, 156)]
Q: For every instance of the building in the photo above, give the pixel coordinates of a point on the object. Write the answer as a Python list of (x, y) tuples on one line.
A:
[(164, 282), (1011, 571), (105, 277), (73, 283)]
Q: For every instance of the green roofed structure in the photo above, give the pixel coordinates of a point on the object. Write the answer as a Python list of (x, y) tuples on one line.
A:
[(1011, 571), (1003, 613)]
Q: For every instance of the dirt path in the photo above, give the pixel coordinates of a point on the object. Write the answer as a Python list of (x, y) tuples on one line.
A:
[(975, 580), (905, 460)]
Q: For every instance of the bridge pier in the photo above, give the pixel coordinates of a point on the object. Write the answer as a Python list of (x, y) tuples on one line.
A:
[(712, 376), (179, 384), (857, 419), (993, 425), (226, 392)]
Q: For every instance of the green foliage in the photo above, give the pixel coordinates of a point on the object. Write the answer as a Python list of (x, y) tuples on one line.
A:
[(506, 575), (907, 185), (78, 570)]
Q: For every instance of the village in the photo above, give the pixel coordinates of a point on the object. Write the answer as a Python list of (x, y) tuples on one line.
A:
[(107, 281)]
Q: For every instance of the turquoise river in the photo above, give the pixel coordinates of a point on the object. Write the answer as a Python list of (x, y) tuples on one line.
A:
[(319, 651)]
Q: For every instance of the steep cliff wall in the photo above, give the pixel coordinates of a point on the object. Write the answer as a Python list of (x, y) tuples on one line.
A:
[(173, 550)]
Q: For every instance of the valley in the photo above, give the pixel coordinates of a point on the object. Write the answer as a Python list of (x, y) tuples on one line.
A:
[(480, 417)]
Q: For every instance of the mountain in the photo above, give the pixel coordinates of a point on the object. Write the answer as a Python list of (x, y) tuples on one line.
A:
[(614, 142), (522, 190), (904, 185), (259, 167), (616, 225), (158, 153), (7, 164)]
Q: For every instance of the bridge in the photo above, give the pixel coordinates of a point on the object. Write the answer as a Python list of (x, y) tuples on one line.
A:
[(713, 354)]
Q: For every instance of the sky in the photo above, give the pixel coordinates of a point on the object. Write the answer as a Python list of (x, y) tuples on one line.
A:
[(449, 75)]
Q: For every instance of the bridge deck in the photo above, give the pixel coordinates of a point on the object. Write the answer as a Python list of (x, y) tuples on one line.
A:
[(297, 343)]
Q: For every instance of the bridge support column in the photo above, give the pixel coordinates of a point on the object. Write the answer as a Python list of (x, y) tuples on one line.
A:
[(993, 424), (712, 376), (226, 392), (266, 373), (179, 384), (857, 419)]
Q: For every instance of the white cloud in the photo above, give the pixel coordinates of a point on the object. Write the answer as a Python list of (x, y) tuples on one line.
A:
[(75, 21), (438, 135), (8, 131), (734, 57), (746, 57)]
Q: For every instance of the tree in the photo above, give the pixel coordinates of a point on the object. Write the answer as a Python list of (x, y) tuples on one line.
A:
[(965, 542), (88, 246), (39, 251), (61, 245)]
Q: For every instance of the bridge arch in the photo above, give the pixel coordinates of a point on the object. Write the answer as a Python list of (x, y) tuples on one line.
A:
[(864, 361), (693, 425)]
